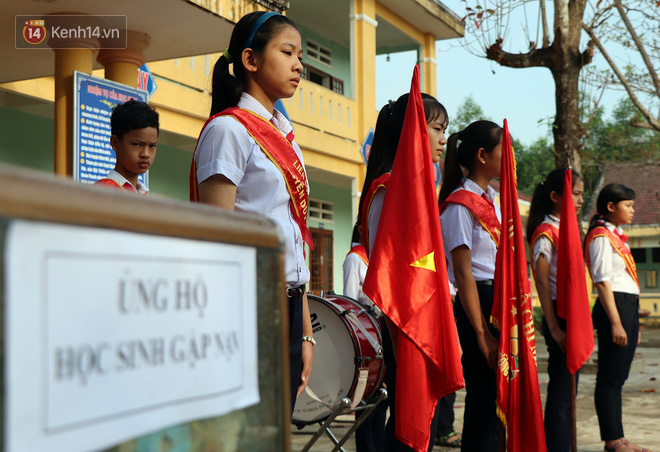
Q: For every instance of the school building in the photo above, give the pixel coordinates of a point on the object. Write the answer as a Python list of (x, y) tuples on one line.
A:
[(644, 232), (180, 40)]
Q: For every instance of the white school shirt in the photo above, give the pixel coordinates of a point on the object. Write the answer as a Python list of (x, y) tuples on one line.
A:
[(543, 246), (459, 227), (355, 270), (373, 217), (121, 180), (608, 265), (226, 148)]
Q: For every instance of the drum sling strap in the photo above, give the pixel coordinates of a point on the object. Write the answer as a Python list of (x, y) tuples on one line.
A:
[(363, 373), (357, 396)]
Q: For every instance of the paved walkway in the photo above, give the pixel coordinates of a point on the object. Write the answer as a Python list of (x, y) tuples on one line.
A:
[(641, 403)]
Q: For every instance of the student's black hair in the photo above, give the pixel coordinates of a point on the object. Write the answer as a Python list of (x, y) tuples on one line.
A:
[(131, 115), (479, 134), (355, 238), (542, 204), (388, 133), (611, 193), (226, 89)]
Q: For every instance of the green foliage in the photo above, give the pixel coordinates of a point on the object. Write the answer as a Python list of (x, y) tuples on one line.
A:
[(467, 113), (534, 162), (617, 141)]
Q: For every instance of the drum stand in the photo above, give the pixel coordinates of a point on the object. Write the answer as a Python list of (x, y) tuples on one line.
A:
[(344, 407)]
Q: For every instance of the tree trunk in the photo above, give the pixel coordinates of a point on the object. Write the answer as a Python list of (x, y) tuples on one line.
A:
[(567, 130)]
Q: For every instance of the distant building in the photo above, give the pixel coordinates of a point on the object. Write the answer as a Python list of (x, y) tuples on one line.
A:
[(180, 40)]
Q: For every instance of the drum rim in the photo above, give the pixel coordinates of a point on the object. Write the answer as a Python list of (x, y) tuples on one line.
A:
[(357, 347)]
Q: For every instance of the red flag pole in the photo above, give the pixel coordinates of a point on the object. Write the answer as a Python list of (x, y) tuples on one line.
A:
[(501, 443), (571, 383)]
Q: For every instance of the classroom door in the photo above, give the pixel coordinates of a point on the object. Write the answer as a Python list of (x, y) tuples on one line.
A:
[(321, 261)]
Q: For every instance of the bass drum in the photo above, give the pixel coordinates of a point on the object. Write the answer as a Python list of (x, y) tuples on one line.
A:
[(342, 349)]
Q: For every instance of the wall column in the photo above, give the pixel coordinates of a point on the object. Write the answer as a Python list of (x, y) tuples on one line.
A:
[(429, 66), (70, 55), (121, 65), (363, 34)]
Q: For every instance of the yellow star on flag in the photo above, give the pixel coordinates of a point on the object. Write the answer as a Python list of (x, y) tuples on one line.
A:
[(427, 262)]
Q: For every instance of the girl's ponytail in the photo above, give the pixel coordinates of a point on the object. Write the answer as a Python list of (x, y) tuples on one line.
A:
[(250, 32), (381, 157), (226, 89), (538, 209), (479, 134), (542, 204), (452, 174)]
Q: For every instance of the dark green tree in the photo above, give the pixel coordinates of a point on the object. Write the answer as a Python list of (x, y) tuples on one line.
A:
[(617, 140), (468, 112)]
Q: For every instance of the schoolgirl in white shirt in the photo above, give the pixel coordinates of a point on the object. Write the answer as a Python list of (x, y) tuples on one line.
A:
[(616, 312), (543, 237), (471, 229), (246, 158), (383, 150)]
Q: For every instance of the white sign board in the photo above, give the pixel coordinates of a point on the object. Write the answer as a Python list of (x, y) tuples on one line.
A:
[(113, 334)]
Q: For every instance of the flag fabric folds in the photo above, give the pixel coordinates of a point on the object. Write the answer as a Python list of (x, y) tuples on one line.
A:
[(572, 294), (407, 280), (518, 394)]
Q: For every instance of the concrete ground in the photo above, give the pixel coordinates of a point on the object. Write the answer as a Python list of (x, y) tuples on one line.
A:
[(641, 403)]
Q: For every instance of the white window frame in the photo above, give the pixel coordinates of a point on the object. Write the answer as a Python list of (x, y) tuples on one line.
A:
[(321, 210), (319, 51)]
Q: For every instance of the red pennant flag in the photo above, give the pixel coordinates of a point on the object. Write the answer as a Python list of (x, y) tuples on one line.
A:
[(572, 295), (407, 280), (518, 395)]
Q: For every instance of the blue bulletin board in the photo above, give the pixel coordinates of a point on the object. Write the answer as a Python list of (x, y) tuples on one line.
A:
[(93, 99)]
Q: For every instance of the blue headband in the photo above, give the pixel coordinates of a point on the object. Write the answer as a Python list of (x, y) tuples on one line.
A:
[(264, 17)]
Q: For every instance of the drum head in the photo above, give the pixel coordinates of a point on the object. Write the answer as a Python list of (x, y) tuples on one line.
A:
[(333, 371)]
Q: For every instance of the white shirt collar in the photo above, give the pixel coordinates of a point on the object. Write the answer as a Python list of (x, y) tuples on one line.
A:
[(473, 187), (612, 228), (121, 180), (278, 119), (551, 218)]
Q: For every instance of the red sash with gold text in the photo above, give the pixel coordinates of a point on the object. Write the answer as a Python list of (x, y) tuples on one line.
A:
[(482, 210), (551, 232), (617, 244), (379, 182), (280, 152), (361, 251)]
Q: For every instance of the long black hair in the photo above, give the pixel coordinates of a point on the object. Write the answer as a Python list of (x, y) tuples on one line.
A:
[(226, 89), (479, 134), (387, 134), (611, 193), (542, 204)]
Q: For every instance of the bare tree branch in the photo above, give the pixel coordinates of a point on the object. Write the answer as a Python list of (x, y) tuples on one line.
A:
[(640, 46), (533, 58), (544, 21), (653, 122)]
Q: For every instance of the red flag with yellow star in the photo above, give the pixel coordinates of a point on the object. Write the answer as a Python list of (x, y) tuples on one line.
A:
[(518, 395), (407, 279)]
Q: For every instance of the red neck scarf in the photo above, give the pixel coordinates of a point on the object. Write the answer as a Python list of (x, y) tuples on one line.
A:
[(280, 152)]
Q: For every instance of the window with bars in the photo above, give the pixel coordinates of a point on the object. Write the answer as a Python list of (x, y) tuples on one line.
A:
[(323, 211), (321, 261), (321, 78), (317, 52)]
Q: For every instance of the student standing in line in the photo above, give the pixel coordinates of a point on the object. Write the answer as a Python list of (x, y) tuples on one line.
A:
[(471, 230), (543, 237), (134, 125), (370, 435), (246, 158), (383, 150), (616, 312)]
